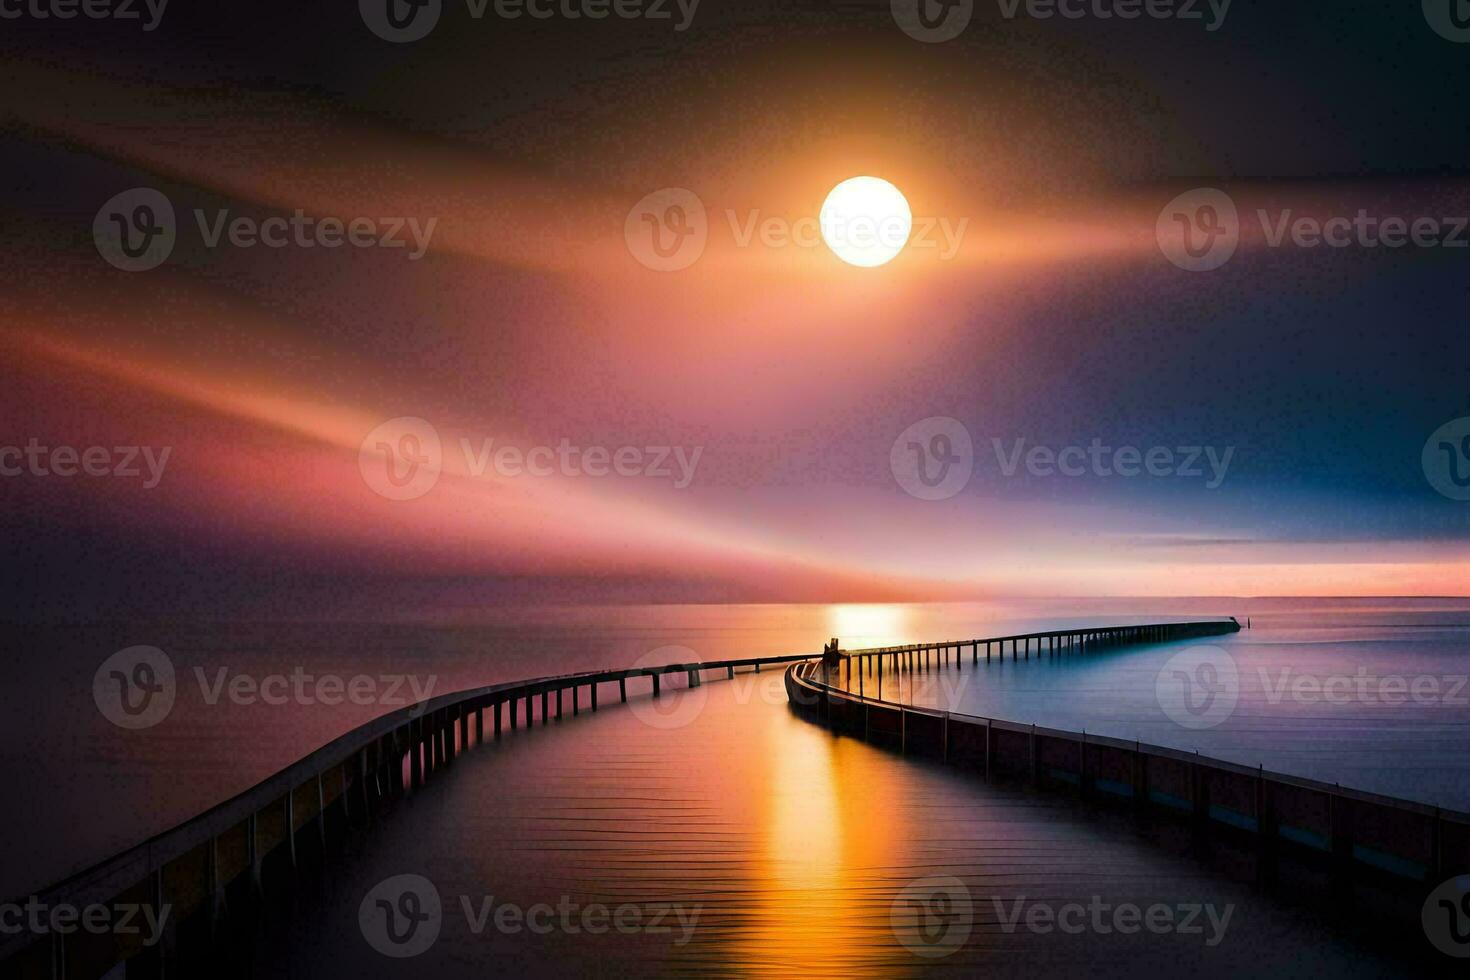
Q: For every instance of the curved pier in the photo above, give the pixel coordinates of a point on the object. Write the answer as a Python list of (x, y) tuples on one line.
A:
[(1354, 832), (200, 870)]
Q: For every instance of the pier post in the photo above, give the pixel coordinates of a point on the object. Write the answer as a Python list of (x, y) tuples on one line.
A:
[(497, 710), (212, 886), (415, 740), (558, 701), (464, 728), (623, 689), (252, 853), (290, 826), (656, 691), (593, 688), (512, 702), (1082, 766), (480, 725), (545, 706), (1340, 820), (989, 752), (576, 700), (321, 812)]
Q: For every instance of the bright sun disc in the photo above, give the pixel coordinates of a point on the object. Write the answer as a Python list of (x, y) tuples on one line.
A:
[(866, 221)]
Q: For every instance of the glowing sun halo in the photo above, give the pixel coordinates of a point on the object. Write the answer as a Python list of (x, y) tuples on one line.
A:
[(866, 221)]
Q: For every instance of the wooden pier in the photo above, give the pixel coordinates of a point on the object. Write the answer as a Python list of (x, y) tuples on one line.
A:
[(1352, 831), (212, 872)]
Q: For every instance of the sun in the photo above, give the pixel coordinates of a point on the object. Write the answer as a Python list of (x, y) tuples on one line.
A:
[(866, 221)]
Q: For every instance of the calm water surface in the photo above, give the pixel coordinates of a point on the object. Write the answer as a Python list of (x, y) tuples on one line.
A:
[(84, 788)]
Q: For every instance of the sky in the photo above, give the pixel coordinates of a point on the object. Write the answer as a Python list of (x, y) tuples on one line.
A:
[(770, 398)]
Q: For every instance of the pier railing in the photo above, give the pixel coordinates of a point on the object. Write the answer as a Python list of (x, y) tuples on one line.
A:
[(1348, 828), (191, 869)]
